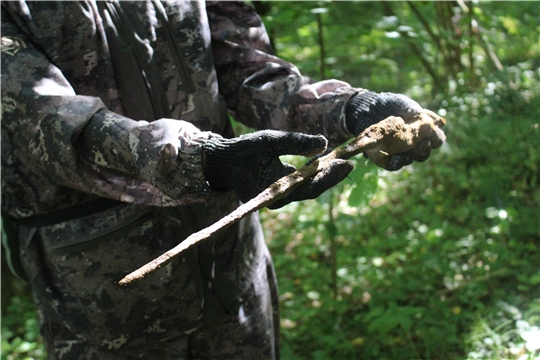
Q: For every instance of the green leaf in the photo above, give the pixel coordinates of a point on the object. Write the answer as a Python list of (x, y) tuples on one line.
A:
[(364, 181)]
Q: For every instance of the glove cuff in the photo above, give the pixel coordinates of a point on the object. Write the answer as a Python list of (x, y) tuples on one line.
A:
[(218, 154), (357, 112)]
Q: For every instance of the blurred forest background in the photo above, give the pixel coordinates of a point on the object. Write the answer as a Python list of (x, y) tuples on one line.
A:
[(440, 260)]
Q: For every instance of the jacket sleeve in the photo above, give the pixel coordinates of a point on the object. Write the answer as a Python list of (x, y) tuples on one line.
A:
[(73, 141), (264, 91)]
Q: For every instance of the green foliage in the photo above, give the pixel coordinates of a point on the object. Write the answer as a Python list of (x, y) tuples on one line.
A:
[(424, 265), (438, 260), (362, 182), (429, 259), (506, 333), (20, 337), (20, 330)]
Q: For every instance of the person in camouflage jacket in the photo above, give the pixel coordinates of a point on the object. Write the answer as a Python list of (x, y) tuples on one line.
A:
[(117, 145)]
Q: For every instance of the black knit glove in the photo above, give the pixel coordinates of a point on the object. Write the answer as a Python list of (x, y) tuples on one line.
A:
[(250, 163), (368, 108)]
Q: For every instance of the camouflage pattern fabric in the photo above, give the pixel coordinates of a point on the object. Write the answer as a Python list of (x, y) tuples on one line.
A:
[(114, 99), (189, 309)]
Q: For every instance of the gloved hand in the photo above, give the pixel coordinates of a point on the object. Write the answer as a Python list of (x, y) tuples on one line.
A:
[(250, 163), (368, 108)]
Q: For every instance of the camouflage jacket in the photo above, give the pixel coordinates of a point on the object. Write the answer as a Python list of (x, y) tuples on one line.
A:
[(114, 99)]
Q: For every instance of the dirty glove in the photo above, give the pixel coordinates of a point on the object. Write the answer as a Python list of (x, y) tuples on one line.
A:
[(250, 163), (368, 108)]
